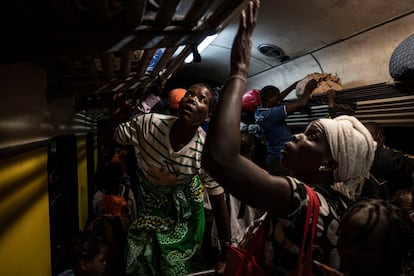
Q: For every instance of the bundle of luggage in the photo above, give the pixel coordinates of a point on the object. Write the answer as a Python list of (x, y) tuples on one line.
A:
[(325, 82)]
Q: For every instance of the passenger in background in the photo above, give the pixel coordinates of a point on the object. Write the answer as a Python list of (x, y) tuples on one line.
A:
[(146, 104), (150, 100), (125, 155), (170, 224), (174, 97), (404, 199), (113, 197), (87, 256), (113, 201), (120, 156), (391, 170), (250, 101), (121, 111), (241, 214), (112, 216), (330, 151), (271, 116), (375, 238)]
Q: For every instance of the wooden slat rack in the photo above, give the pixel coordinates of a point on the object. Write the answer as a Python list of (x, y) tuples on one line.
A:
[(90, 48)]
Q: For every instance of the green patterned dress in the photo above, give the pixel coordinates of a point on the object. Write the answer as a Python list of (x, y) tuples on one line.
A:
[(168, 231), (170, 222)]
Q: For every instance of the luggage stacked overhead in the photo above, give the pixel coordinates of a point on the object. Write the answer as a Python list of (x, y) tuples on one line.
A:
[(325, 82)]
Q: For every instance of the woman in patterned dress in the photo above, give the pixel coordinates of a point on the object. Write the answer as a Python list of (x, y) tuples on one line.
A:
[(170, 224)]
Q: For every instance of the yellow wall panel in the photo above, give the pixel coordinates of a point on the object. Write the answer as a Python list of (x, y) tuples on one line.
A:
[(24, 215), (82, 183)]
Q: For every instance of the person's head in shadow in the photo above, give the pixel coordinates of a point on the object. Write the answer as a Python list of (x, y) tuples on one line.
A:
[(109, 177), (376, 131), (114, 178), (247, 145), (270, 96), (88, 255), (404, 199), (375, 238)]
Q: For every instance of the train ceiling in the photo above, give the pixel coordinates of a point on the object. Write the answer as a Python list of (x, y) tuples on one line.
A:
[(92, 49)]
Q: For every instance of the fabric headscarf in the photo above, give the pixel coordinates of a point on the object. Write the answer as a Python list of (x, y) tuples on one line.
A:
[(353, 148)]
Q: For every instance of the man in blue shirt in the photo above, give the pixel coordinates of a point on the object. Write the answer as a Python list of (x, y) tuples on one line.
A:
[(271, 116)]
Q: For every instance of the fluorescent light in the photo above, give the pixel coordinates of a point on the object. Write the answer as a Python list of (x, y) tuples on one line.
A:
[(207, 41)]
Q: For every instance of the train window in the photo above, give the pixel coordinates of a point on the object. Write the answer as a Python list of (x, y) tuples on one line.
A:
[(63, 197)]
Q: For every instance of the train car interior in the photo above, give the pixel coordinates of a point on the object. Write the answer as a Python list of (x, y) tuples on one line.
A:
[(62, 62)]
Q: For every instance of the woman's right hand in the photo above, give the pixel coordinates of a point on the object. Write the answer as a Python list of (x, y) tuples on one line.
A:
[(120, 108), (242, 44)]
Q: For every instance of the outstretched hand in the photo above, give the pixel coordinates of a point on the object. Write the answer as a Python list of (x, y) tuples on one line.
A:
[(120, 109), (304, 98), (242, 44), (310, 86)]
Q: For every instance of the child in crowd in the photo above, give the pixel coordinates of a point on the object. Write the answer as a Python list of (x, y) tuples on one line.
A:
[(109, 200), (88, 256)]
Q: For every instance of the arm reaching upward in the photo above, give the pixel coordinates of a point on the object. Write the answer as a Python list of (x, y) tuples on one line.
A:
[(303, 99), (287, 91), (221, 155)]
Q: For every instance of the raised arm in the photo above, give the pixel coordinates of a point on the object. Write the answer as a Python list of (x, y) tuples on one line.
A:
[(287, 91), (303, 99), (221, 155)]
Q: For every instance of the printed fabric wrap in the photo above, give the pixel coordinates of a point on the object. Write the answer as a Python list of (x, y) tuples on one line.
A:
[(168, 231)]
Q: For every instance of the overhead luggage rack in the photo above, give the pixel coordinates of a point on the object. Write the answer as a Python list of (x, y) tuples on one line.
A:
[(98, 47), (388, 103)]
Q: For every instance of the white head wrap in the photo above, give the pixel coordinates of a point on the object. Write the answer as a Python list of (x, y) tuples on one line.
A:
[(353, 148)]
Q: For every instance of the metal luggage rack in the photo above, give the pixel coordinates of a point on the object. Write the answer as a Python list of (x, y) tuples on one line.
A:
[(389, 103), (96, 47)]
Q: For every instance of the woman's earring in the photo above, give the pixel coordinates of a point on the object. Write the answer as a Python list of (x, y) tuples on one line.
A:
[(322, 168)]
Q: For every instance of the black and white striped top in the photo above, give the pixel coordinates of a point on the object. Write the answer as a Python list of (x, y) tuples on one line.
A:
[(150, 134)]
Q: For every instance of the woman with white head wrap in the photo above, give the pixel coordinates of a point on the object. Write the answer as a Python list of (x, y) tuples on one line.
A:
[(353, 149), (329, 151)]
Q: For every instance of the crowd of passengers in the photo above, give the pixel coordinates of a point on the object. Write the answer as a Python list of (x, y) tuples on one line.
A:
[(186, 182)]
